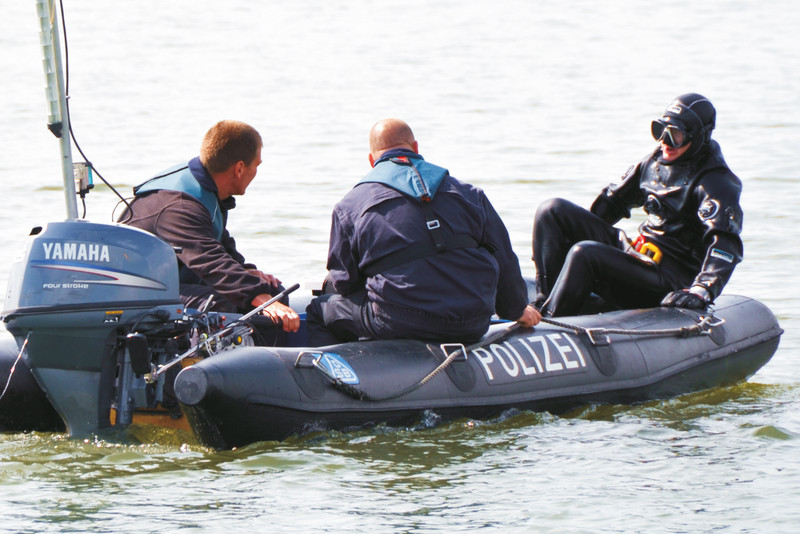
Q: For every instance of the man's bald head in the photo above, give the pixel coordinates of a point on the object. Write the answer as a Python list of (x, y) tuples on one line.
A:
[(387, 134)]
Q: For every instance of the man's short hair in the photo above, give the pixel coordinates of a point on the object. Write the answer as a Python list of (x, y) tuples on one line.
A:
[(227, 143)]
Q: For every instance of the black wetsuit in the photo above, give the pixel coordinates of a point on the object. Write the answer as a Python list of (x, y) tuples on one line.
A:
[(694, 221)]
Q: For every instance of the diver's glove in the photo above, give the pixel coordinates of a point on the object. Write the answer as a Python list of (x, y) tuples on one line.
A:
[(695, 298)]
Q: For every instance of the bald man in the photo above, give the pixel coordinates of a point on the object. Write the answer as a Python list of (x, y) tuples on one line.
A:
[(415, 254)]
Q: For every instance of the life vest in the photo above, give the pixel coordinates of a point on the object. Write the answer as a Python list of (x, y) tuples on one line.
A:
[(415, 177), (412, 176), (180, 178)]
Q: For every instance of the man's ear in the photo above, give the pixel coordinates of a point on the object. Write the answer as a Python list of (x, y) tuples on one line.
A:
[(238, 169)]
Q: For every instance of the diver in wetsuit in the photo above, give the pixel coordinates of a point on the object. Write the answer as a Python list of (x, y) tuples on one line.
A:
[(688, 246)]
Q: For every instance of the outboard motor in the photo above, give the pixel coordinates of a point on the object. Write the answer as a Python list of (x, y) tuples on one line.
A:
[(77, 296)]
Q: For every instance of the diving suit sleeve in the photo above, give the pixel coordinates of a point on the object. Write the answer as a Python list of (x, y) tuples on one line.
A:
[(720, 213), (616, 200)]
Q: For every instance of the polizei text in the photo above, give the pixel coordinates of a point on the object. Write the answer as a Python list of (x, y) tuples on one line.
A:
[(530, 357)]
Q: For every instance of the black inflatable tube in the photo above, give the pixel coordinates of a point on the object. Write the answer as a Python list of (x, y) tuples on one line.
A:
[(24, 406)]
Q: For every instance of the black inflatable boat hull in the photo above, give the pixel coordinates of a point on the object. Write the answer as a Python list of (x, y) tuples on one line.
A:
[(23, 405), (257, 394)]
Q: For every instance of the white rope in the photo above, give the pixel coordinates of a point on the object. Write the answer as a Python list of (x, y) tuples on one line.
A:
[(13, 367)]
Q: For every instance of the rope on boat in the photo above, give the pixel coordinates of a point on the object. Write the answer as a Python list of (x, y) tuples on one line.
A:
[(363, 395), (702, 327), (13, 367)]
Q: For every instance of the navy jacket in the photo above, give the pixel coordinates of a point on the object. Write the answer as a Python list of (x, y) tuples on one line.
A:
[(456, 289)]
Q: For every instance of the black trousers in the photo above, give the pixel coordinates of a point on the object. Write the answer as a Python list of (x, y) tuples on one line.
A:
[(577, 254), (332, 318)]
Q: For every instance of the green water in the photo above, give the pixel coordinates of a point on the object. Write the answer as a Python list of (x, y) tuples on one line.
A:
[(527, 100), (705, 462)]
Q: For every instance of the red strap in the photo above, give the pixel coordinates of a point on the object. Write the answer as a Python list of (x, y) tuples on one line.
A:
[(637, 244)]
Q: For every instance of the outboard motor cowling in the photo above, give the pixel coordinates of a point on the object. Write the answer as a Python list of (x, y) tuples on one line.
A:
[(76, 288), (78, 264)]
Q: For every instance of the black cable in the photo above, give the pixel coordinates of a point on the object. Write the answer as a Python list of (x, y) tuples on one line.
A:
[(69, 119)]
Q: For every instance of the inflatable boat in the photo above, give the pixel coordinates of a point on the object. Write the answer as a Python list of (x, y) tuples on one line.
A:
[(255, 394), (101, 337), (23, 404)]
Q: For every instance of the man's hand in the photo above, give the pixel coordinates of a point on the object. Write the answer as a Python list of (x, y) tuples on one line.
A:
[(684, 298), (529, 317), (279, 313), (271, 280)]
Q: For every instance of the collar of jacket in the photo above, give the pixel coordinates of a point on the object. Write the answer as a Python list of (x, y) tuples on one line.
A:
[(205, 180), (397, 153), (407, 172)]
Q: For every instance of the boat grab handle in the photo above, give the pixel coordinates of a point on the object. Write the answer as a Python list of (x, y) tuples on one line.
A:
[(594, 334), (314, 355), (708, 322), (458, 347)]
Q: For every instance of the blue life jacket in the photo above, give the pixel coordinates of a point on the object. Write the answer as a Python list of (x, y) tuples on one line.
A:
[(181, 178), (408, 173), (411, 175)]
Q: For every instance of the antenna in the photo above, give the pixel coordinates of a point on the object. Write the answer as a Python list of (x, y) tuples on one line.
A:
[(58, 117)]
